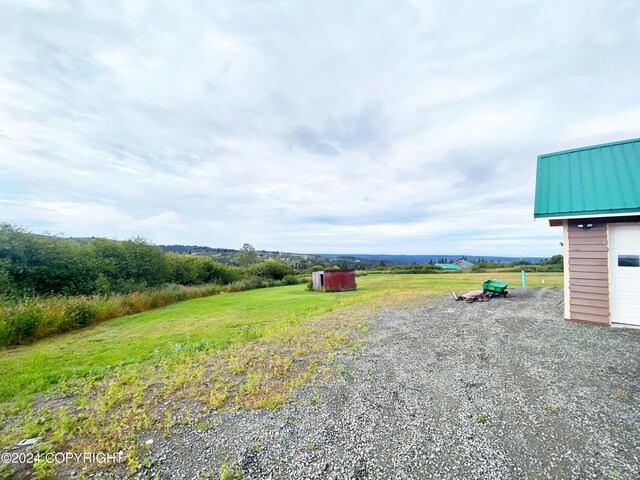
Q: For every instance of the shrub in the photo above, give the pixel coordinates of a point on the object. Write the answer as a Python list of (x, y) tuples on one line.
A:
[(272, 269), (290, 280), (21, 322), (254, 282), (5, 331), (216, 272), (7, 286), (81, 311)]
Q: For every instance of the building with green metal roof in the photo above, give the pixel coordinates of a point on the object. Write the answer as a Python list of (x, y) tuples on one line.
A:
[(598, 180), (594, 194), (449, 266)]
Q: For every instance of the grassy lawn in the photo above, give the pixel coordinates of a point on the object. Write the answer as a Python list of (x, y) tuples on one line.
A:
[(221, 350), (212, 322)]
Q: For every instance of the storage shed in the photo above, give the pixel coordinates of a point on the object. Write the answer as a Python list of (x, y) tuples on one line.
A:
[(593, 193), (334, 280)]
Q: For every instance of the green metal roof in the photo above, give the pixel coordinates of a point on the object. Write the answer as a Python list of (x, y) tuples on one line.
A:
[(598, 180), (449, 266)]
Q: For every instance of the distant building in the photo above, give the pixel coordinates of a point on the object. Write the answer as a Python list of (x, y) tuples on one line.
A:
[(593, 193), (449, 266), (457, 265), (464, 264)]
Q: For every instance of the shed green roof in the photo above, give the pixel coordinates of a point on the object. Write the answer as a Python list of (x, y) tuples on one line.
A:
[(592, 181), (449, 266)]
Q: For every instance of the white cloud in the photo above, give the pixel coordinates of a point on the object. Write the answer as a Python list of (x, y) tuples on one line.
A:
[(399, 127)]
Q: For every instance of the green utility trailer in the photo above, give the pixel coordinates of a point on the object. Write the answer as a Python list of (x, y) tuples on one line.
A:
[(495, 287)]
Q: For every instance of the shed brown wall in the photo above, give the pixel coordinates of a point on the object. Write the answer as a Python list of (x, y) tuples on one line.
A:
[(589, 273)]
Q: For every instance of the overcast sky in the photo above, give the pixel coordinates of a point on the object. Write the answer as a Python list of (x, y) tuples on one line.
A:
[(306, 126)]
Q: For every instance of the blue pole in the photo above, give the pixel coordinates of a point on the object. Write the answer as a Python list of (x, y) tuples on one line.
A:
[(524, 280)]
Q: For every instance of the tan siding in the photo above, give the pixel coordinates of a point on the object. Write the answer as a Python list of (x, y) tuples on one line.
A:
[(587, 255), (576, 308), (589, 261), (587, 241), (590, 301), (586, 233), (587, 318), (589, 268), (595, 275), (589, 274), (590, 290), (588, 248), (582, 297), (584, 282)]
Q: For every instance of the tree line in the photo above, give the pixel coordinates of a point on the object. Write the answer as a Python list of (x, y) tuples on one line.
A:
[(32, 264)]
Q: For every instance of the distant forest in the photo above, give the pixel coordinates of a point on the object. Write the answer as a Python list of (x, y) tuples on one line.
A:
[(302, 261), (299, 261)]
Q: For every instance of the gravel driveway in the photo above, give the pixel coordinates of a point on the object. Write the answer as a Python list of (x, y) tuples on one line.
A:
[(503, 389)]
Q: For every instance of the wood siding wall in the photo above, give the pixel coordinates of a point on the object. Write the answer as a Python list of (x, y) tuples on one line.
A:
[(589, 273)]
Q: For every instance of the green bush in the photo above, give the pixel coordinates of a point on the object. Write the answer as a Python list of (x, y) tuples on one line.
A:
[(80, 311), (272, 269), (290, 280), (21, 322), (220, 274)]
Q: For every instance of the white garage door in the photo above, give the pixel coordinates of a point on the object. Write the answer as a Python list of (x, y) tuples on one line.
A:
[(624, 289)]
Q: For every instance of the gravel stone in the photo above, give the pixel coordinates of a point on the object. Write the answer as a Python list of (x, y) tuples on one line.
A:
[(448, 390)]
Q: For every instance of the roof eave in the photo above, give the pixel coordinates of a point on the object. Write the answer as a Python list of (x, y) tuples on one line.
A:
[(591, 214)]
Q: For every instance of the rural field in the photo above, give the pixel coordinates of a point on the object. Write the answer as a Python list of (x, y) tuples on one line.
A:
[(105, 386)]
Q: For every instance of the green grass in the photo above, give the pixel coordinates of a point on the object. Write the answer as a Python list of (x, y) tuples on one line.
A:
[(215, 322), (251, 349), (211, 322)]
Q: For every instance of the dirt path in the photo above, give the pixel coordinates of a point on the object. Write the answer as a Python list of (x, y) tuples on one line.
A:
[(503, 389)]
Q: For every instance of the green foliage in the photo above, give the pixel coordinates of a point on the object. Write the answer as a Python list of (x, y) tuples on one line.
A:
[(554, 264), (130, 265), (7, 287), (43, 264), (292, 280), (215, 272), (247, 255), (20, 323), (411, 268), (272, 269), (230, 472), (80, 311), (187, 269), (33, 264), (314, 268)]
